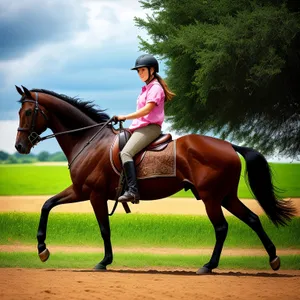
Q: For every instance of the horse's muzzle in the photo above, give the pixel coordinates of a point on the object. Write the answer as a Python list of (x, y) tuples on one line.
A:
[(21, 149)]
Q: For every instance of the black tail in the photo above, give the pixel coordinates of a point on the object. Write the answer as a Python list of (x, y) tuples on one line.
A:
[(259, 177)]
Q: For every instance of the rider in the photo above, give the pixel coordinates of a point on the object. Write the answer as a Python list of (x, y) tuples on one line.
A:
[(147, 120)]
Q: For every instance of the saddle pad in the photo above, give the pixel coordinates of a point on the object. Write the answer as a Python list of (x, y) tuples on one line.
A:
[(158, 163), (151, 164)]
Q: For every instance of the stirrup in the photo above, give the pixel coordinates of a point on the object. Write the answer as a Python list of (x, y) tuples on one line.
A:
[(130, 197)]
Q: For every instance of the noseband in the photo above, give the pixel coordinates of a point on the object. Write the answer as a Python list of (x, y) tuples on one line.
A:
[(33, 137)]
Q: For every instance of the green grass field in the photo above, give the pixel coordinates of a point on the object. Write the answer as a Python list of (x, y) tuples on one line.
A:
[(149, 231), (33, 180), (135, 230), (141, 230), (50, 180)]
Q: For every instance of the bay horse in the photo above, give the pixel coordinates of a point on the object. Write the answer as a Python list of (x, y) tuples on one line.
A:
[(210, 167)]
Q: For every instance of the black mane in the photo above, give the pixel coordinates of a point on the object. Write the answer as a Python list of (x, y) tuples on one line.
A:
[(86, 107)]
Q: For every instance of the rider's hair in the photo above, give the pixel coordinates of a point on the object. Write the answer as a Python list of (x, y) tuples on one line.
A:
[(168, 93)]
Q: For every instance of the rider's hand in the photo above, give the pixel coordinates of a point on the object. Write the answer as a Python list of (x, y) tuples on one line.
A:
[(121, 118), (115, 119)]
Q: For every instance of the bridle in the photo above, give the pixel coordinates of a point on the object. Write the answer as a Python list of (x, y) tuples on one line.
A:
[(33, 137)]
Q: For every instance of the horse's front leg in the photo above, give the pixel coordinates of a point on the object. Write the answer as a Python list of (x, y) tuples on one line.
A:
[(66, 196), (101, 211)]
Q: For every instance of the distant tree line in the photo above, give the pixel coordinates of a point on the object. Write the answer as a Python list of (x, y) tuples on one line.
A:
[(17, 158)]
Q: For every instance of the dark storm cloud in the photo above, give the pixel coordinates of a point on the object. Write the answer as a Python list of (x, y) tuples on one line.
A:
[(27, 24)]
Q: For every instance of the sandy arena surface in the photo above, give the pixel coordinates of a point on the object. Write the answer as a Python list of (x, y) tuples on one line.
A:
[(158, 283), (147, 284), (181, 206)]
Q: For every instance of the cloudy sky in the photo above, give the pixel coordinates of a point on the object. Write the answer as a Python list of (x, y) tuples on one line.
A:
[(80, 48)]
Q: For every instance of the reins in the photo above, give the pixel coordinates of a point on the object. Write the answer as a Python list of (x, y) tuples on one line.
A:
[(38, 139), (74, 130), (90, 140), (34, 138)]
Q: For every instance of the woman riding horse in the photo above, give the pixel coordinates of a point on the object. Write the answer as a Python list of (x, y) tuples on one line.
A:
[(147, 120), (208, 166)]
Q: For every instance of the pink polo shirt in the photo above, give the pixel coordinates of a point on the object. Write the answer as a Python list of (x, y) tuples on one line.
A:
[(153, 92)]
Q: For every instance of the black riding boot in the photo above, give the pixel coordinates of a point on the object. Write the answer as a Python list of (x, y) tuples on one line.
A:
[(132, 193)]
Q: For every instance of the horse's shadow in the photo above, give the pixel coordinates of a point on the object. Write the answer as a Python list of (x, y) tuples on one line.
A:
[(192, 273)]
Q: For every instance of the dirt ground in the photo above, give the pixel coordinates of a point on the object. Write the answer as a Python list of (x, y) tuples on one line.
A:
[(181, 206), (158, 283)]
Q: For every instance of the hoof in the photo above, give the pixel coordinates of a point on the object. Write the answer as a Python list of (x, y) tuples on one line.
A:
[(100, 267), (204, 270), (275, 263), (44, 255)]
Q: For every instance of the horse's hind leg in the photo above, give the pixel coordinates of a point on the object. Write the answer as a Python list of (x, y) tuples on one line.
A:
[(66, 196), (237, 208), (216, 216)]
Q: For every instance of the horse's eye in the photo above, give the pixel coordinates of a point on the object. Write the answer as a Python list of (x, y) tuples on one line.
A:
[(28, 112)]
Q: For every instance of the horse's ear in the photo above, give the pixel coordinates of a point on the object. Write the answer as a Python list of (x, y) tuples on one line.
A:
[(27, 93), (19, 90)]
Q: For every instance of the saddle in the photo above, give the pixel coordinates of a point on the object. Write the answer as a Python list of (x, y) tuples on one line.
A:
[(120, 140)]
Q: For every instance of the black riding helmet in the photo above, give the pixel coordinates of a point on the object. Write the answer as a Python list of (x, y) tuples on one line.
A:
[(146, 60)]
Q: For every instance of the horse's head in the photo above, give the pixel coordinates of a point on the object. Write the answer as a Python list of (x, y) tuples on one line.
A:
[(33, 121)]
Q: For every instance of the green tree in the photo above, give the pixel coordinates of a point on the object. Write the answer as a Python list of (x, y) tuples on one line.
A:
[(235, 67), (12, 160), (3, 155), (58, 156), (43, 156)]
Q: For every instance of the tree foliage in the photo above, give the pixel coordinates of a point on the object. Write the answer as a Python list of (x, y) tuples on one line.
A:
[(3, 155), (44, 156), (234, 66)]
